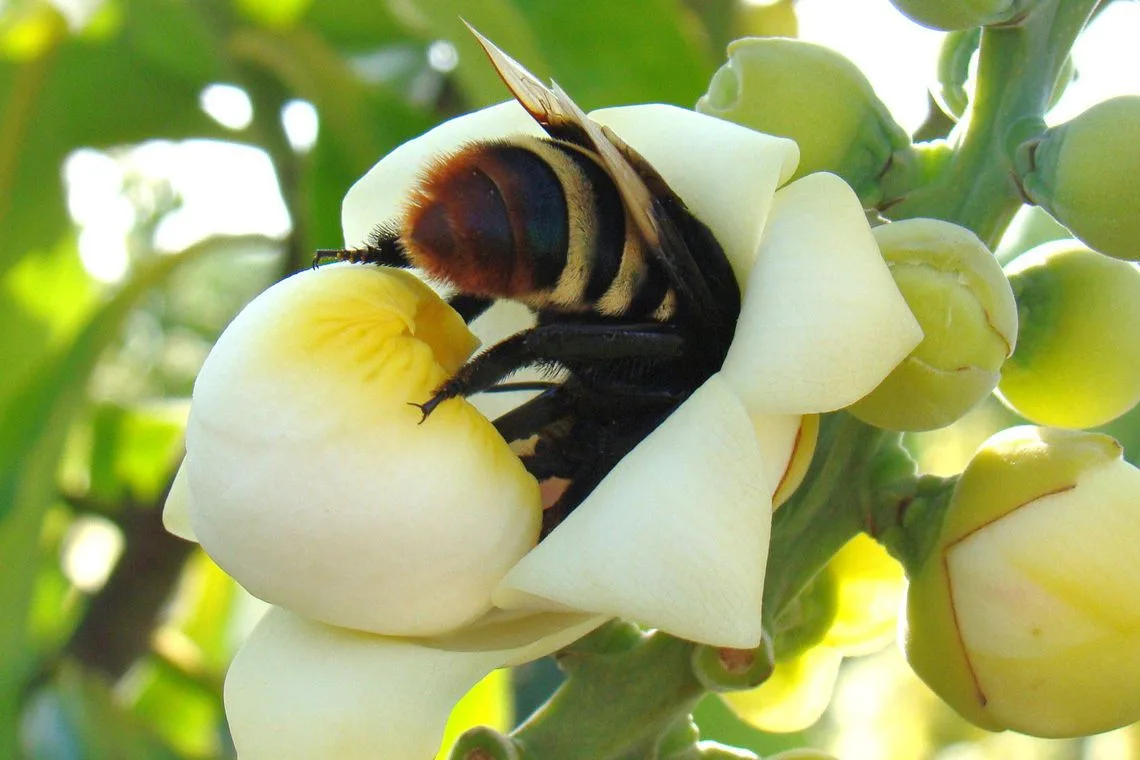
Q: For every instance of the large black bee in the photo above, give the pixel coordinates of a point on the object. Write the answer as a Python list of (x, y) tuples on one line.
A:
[(634, 297)]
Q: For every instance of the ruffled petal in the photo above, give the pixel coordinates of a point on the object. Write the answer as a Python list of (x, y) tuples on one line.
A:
[(675, 537), (314, 483), (302, 690), (725, 173), (382, 194), (822, 322)]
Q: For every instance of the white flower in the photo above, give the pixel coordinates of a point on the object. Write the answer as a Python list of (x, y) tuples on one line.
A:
[(308, 477)]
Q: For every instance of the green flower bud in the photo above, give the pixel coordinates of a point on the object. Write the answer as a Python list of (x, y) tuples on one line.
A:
[(1086, 173), (1025, 615), (813, 95), (960, 14), (957, 291), (723, 669), (482, 743), (1077, 362)]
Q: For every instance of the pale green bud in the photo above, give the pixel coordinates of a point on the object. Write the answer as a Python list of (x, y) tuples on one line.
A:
[(725, 669), (1086, 173), (1024, 616), (960, 14), (812, 95), (964, 304), (1077, 362)]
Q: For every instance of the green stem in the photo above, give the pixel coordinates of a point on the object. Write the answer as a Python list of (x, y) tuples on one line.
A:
[(827, 512), (583, 720), (1017, 69)]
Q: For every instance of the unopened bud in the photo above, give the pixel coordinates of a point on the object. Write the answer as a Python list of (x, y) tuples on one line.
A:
[(966, 309), (960, 14), (724, 669), (1086, 173), (1077, 362), (1024, 616), (813, 95)]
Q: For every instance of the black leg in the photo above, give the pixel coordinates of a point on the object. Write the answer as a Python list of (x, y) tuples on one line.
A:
[(557, 343), (383, 248), (468, 306)]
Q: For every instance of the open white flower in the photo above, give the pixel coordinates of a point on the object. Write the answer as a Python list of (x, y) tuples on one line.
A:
[(309, 479)]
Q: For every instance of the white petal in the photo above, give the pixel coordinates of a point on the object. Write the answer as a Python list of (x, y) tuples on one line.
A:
[(316, 487), (776, 434), (176, 510), (822, 322), (675, 537), (301, 690), (381, 194), (725, 173)]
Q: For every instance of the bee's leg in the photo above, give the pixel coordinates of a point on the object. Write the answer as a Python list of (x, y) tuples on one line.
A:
[(556, 343), (530, 417), (470, 307), (383, 248)]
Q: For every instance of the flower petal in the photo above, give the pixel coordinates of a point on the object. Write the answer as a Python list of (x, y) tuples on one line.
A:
[(314, 483), (382, 194), (725, 173), (675, 537), (302, 690), (176, 510), (822, 321)]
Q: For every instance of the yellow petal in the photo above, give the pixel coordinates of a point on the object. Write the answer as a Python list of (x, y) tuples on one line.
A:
[(869, 588), (382, 194), (315, 486), (796, 695), (176, 510), (787, 443), (675, 537), (822, 322), (302, 690), (725, 173)]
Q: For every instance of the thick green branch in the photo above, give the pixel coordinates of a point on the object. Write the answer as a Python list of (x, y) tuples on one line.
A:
[(1018, 68)]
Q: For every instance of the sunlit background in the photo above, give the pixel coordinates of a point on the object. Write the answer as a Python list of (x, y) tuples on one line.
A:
[(145, 199)]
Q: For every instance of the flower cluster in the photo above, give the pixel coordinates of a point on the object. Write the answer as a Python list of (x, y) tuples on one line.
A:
[(402, 559)]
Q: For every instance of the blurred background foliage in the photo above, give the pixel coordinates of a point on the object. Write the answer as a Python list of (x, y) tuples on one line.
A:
[(162, 161)]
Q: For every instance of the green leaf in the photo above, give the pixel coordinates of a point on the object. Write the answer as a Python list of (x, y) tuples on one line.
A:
[(43, 301), (608, 54), (34, 424), (134, 450), (141, 82), (500, 20), (76, 718)]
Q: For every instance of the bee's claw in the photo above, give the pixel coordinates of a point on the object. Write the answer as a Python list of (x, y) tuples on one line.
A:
[(427, 407)]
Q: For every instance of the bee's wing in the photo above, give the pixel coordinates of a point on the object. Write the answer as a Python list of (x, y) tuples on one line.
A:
[(563, 119)]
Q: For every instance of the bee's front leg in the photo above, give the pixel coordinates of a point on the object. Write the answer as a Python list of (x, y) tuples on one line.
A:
[(555, 344)]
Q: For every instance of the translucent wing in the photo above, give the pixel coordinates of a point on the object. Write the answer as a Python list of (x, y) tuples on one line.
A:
[(562, 119)]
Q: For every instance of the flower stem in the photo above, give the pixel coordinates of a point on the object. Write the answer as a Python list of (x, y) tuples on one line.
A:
[(1018, 66), (827, 512)]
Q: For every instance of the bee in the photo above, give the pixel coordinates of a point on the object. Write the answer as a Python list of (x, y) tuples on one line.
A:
[(633, 295)]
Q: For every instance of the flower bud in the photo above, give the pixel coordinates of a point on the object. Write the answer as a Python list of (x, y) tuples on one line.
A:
[(813, 95), (1086, 173), (959, 14), (725, 669), (1077, 362), (309, 478), (966, 309), (1025, 615)]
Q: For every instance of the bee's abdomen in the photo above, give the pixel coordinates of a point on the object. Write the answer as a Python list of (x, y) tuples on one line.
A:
[(492, 220)]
